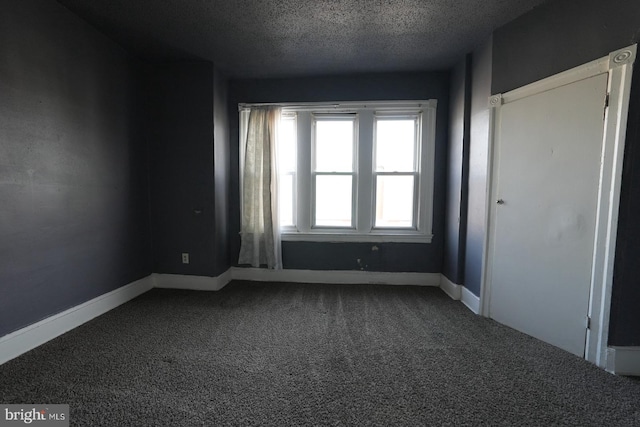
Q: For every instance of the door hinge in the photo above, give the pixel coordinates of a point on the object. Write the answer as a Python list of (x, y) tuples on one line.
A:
[(606, 105), (588, 322)]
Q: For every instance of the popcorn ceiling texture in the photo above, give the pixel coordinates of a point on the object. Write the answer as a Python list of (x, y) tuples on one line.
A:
[(257, 38)]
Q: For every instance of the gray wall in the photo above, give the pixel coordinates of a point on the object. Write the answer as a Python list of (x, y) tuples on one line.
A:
[(73, 165), (344, 256), (477, 168), (561, 35), (188, 170)]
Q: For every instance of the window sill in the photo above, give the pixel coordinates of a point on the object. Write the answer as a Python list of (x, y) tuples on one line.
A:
[(354, 237)]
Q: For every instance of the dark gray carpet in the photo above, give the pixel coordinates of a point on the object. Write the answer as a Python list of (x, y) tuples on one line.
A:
[(287, 354)]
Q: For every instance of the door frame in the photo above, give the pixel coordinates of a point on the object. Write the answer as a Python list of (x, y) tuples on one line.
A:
[(619, 66)]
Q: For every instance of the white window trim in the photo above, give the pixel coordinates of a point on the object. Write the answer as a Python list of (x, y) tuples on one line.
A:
[(363, 230)]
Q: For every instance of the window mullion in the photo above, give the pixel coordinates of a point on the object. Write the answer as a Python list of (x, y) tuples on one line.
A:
[(427, 163), (364, 172), (303, 190)]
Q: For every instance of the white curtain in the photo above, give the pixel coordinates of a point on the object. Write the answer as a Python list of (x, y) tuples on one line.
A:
[(260, 231)]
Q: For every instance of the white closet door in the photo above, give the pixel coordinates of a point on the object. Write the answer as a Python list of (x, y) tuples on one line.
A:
[(546, 176)]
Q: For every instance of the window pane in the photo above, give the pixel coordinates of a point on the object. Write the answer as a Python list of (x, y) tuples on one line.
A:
[(334, 146), (334, 200), (394, 201), (287, 144), (395, 145), (285, 199)]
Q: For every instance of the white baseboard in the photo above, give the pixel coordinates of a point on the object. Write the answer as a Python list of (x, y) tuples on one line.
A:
[(335, 276), (450, 288), (623, 360), (32, 336), (470, 300), (459, 292), (201, 283), (194, 283)]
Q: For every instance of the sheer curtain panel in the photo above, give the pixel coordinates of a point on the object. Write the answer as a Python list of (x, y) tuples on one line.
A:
[(260, 234)]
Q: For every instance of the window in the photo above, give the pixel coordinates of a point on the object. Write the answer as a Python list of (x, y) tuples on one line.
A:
[(356, 172), (287, 170), (333, 171), (396, 171)]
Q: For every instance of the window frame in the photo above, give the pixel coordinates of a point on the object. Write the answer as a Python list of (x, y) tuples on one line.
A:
[(294, 173), (415, 173), (315, 118), (363, 210)]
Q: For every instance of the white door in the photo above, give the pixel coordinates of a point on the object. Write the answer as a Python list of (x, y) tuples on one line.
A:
[(543, 219)]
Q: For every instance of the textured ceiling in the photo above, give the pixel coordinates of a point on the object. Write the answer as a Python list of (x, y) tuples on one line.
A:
[(269, 38)]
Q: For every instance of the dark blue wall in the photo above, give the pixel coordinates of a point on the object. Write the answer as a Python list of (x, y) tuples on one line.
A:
[(476, 179), (624, 327), (464, 179), (561, 35), (457, 171), (344, 256), (189, 158), (454, 172), (73, 164), (221, 173)]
